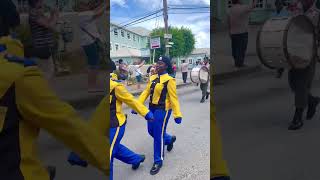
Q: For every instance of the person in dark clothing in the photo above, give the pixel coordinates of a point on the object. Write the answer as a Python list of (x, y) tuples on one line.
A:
[(8, 18), (300, 82)]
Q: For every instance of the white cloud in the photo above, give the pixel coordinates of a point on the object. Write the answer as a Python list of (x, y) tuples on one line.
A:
[(118, 2)]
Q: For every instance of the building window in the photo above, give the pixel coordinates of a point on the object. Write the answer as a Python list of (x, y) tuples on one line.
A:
[(260, 4), (190, 61), (134, 37), (116, 47), (128, 35), (115, 32), (122, 33)]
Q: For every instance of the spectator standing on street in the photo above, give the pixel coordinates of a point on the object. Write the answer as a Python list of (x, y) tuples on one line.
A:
[(44, 45), (174, 67), (184, 70), (89, 37), (136, 70), (238, 22), (123, 70)]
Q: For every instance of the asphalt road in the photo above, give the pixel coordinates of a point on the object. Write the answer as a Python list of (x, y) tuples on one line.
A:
[(253, 113), (188, 160)]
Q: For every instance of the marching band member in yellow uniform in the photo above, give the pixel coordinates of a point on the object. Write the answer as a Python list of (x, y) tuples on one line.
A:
[(118, 96), (27, 105), (218, 166), (163, 99)]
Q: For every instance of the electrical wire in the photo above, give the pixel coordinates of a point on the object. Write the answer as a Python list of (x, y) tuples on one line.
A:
[(141, 15), (190, 12), (138, 20)]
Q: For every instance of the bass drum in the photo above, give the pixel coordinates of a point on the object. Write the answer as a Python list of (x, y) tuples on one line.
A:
[(287, 42), (199, 74)]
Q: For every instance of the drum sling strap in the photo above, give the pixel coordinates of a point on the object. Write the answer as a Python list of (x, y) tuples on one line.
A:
[(9, 137), (114, 122), (162, 101)]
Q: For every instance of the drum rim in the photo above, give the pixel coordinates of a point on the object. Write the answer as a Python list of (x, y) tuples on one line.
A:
[(258, 48), (285, 51)]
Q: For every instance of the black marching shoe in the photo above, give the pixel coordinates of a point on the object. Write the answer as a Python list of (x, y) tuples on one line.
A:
[(202, 100), (297, 122), (155, 169), (170, 146), (312, 107), (207, 96), (136, 166)]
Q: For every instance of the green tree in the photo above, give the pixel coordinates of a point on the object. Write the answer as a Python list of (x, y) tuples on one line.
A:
[(189, 41), (182, 38)]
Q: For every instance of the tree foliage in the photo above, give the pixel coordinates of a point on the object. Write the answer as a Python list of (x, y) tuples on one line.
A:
[(182, 38)]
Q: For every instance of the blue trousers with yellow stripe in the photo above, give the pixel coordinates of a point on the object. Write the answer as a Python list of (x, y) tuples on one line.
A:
[(157, 129), (119, 151)]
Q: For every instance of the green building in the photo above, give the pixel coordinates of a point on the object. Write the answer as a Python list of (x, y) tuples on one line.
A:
[(129, 44)]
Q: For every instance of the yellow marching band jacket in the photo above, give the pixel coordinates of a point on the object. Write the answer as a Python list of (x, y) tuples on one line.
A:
[(27, 105), (162, 92)]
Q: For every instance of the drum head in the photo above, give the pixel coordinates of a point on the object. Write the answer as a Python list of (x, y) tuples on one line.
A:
[(194, 75), (300, 44), (204, 74)]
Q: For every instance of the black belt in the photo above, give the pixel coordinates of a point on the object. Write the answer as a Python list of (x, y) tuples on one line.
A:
[(157, 106)]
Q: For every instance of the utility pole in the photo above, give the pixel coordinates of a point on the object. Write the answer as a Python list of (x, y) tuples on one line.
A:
[(165, 17)]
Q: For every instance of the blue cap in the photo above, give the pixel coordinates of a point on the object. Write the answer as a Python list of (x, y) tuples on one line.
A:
[(166, 60), (3, 47)]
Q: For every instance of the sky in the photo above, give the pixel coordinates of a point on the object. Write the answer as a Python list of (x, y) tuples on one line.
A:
[(126, 10)]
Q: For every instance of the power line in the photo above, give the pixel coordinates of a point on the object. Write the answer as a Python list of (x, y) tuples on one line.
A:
[(186, 5), (146, 20), (189, 8), (141, 15), (135, 21), (190, 12)]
